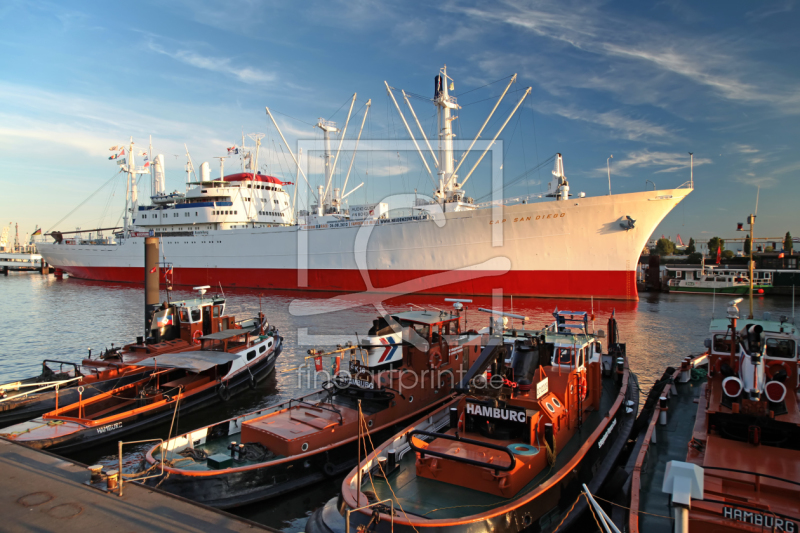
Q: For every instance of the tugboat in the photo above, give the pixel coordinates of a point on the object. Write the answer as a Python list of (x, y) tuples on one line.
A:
[(406, 366), (542, 415), (175, 328), (227, 362), (720, 449)]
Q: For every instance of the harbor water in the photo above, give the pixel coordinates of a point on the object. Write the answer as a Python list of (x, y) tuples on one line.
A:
[(47, 318)]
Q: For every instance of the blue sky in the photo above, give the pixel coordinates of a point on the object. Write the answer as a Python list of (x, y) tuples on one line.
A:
[(646, 82)]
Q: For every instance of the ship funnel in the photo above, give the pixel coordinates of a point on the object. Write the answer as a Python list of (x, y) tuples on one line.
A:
[(205, 172)]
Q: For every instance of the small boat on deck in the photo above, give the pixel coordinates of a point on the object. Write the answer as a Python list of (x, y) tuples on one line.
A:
[(226, 362), (406, 366), (720, 449), (175, 328), (543, 415)]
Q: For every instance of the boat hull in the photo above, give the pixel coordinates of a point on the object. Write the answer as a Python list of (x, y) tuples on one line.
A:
[(94, 436), (577, 248), (236, 488)]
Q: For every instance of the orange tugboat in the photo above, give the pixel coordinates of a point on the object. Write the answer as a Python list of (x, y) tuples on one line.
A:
[(228, 361), (543, 415), (406, 366), (722, 452), (174, 328)]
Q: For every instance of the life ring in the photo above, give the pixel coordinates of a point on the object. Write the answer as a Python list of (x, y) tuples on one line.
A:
[(461, 422), (771, 374), (582, 386), (329, 469), (223, 392), (435, 360), (196, 336)]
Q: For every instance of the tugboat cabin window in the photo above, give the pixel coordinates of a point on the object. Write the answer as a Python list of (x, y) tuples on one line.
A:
[(780, 348), (196, 315), (216, 311), (251, 355), (262, 349), (563, 356), (722, 343), (184, 315)]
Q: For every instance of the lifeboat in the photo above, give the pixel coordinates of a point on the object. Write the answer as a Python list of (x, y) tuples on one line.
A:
[(543, 414), (406, 367), (719, 445)]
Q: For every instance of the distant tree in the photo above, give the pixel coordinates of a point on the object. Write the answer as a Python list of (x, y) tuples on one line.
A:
[(727, 254), (690, 249), (769, 249), (787, 243), (665, 247), (695, 257), (747, 245), (713, 244)]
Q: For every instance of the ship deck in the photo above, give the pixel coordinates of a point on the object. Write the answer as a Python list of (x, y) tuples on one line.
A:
[(427, 498), (671, 441)]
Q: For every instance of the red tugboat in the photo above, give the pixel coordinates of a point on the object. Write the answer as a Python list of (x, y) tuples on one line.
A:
[(228, 361), (175, 328), (721, 452), (543, 415), (406, 366)]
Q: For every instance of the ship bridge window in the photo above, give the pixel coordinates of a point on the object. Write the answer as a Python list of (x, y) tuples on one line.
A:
[(722, 343), (196, 314), (563, 356), (780, 348), (184, 314)]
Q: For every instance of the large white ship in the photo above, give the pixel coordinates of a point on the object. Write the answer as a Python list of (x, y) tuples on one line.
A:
[(242, 230)]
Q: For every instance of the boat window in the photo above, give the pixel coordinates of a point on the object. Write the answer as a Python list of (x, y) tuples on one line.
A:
[(550, 407), (251, 355), (184, 314), (556, 402), (719, 278), (563, 356), (216, 311), (722, 343), (196, 315), (262, 349), (679, 274), (782, 348)]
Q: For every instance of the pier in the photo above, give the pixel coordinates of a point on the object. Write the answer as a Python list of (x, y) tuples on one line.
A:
[(42, 492)]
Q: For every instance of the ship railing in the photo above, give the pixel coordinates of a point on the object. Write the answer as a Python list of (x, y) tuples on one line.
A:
[(42, 386), (138, 476), (758, 475), (685, 185), (316, 406), (424, 451), (507, 201)]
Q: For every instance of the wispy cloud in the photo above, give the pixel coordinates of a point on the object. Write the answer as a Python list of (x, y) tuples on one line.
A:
[(646, 159), (222, 65), (630, 128), (764, 182)]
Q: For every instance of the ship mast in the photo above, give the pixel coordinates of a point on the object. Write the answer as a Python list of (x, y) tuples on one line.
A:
[(444, 104), (327, 127)]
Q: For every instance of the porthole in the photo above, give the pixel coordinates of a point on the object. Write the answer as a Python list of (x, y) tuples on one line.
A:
[(550, 407), (556, 402), (369, 423), (304, 447), (410, 399)]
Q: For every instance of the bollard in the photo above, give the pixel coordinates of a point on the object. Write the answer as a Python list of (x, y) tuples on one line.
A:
[(391, 456), (662, 416), (453, 418)]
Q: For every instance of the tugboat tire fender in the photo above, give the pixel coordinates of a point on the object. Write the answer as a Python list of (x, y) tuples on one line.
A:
[(329, 469), (252, 382), (224, 393)]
